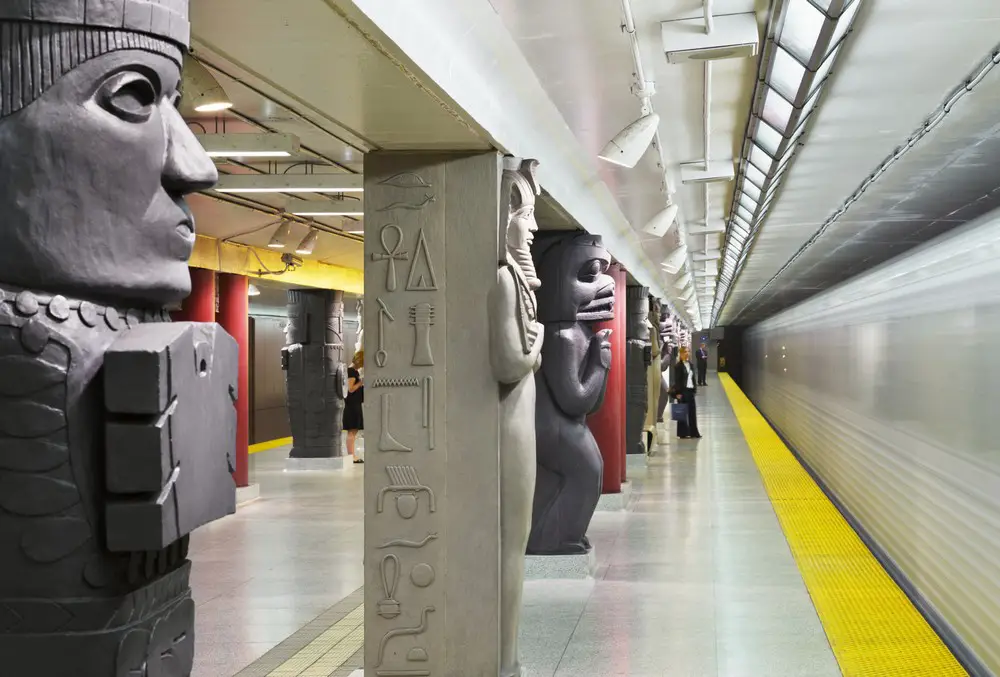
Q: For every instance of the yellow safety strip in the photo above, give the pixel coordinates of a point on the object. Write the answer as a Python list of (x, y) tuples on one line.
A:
[(873, 628), (329, 651), (272, 444)]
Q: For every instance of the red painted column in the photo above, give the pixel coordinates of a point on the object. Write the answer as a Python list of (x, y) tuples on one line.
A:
[(199, 306), (234, 316), (608, 423), (621, 320)]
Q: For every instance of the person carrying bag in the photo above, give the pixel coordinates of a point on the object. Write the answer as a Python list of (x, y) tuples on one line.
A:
[(683, 409)]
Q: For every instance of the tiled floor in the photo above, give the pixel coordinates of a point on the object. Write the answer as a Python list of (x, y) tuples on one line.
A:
[(695, 579)]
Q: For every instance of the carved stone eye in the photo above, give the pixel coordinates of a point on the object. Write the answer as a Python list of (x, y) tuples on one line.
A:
[(129, 96), (591, 270)]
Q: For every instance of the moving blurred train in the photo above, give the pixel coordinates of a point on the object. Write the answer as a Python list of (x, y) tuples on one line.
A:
[(888, 387)]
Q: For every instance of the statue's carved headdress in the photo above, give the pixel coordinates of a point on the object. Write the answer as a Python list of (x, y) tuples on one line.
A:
[(42, 40), (518, 190)]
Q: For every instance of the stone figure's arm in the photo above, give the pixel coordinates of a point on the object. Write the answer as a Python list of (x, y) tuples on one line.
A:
[(576, 388), (507, 357)]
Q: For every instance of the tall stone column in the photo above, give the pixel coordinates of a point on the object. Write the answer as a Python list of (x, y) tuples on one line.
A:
[(638, 358), (234, 316), (433, 490), (200, 305), (315, 374), (608, 423)]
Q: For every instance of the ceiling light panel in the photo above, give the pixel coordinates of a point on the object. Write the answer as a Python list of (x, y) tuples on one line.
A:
[(348, 208), (290, 183), (804, 42), (249, 145)]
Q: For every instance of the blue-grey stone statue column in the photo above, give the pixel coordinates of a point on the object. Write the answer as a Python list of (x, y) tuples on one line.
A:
[(576, 292), (638, 357), (117, 427), (315, 374)]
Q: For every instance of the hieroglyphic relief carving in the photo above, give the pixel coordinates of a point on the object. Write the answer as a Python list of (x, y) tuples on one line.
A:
[(423, 575), (415, 655), (388, 607), (428, 409), (406, 180), (415, 280), (381, 357), (396, 383), (422, 319), (391, 254), (406, 543), (412, 206), (386, 441), (405, 482)]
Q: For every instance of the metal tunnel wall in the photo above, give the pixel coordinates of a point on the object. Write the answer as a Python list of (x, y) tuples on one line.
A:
[(889, 387)]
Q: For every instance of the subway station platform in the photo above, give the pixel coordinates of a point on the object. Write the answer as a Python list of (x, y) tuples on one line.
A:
[(728, 562)]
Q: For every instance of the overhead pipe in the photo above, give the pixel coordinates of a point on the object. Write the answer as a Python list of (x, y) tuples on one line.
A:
[(709, 26), (647, 107)]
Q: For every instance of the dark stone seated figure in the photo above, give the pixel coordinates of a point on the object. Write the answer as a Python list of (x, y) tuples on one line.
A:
[(117, 427)]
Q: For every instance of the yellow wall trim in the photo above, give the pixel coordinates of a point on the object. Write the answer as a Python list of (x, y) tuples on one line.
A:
[(273, 444), (231, 257)]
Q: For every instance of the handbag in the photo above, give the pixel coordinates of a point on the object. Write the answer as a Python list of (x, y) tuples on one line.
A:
[(679, 412)]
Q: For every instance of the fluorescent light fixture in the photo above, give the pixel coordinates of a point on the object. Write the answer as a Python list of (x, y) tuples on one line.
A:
[(252, 290), (249, 145), (202, 90), (281, 235), (352, 208), (308, 243), (356, 232), (734, 36), (630, 144), (719, 170), (290, 183), (676, 260), (660, 224)]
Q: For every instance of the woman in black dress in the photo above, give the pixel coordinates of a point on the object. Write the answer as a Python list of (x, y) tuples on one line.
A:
[(683, 390), (354, 418)]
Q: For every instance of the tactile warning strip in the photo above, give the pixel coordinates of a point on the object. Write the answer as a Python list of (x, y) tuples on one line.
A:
[(873, 628), (329, 646)]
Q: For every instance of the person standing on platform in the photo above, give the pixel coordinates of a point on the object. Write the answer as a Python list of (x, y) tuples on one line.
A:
[(354, 419), (683, 390), (702, 360)]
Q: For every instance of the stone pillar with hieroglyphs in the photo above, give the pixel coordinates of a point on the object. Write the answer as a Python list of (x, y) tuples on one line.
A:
[(432, 480)]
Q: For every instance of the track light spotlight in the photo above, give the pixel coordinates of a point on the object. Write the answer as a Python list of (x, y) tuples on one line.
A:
[(676, 260), (631, 143), (281, 236), (308, 243), (660, 224), (202, 89)]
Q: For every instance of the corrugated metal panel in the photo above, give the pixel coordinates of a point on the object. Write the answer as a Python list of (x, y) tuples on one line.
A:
[(889, 387)]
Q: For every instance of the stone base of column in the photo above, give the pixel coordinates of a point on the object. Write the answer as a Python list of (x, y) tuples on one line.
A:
[(318, 464), (663, 433), (560, 567), (247, 494), (635, 462), (616, 502)]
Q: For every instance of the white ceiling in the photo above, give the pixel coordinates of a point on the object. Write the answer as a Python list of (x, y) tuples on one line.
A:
[(298, 67), (901, 62), (584, 61)]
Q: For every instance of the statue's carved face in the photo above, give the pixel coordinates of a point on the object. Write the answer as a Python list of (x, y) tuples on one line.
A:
[(575, 282), (522, 229), (93, 181)]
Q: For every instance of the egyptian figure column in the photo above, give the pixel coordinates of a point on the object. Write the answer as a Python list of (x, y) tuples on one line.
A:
[(668, 343), (315, 375), (576, 292), (638, 358), (433, 466), (117, 427), (653, 371), (607, 424), (515, 352)]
